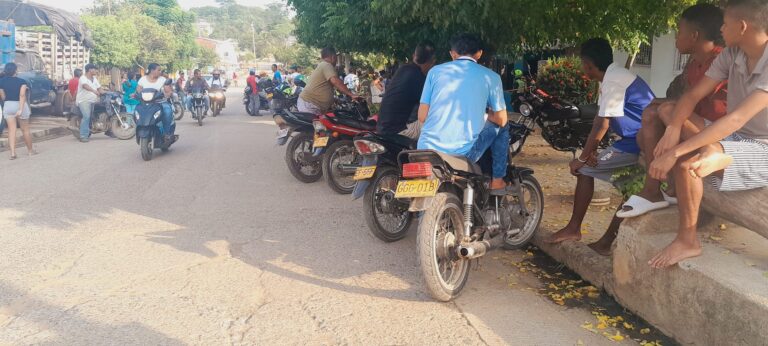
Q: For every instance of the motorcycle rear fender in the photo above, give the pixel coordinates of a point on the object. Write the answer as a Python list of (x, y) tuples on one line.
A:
[(361, 185), (420, 204)]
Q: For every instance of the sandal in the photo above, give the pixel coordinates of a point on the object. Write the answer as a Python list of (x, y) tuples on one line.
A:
[(13, 156), (640, 206), (668, 198)]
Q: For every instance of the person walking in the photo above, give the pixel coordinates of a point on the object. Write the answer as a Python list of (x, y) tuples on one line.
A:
[(87, 95), (13, 91)]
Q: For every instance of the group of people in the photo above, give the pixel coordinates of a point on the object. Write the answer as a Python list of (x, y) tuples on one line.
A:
[(713, 131)]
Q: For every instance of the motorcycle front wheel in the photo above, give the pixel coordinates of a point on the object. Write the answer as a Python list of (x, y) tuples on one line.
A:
[(386, 218), (340, 156), (215, 110), (528, 222), (296, 153), (145, 146), (124, 130), (199, 117), (439, 234)]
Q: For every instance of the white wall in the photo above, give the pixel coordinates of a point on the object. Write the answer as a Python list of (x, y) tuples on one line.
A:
[(661, 72)]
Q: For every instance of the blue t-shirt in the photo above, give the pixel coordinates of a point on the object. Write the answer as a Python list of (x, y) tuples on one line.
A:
[(458, 93), (623, 97), (277, 77)]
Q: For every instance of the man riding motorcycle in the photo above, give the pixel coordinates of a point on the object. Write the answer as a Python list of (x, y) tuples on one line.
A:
[(155, 80), (218, 83), (197, 83)]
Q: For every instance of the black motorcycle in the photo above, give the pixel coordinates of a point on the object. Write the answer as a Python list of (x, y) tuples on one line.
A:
[(177, 103), (297, 131), (149, 125), (198, 106), (249, 107), (107, 116)]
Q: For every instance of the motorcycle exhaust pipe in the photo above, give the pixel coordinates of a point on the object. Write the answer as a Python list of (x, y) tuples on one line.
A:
[(474, 249)]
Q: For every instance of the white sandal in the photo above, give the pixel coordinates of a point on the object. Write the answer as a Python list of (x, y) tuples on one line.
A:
[(668, 198), (640, 206)]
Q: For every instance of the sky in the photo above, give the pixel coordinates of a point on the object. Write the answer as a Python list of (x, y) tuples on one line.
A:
[(77, 5)]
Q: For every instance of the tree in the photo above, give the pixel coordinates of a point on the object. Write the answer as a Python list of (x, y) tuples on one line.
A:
[(116, 41), (206, 57), (157, 43)]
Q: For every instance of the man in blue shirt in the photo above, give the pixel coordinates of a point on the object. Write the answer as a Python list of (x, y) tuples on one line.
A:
[(277, 77), (453, 109), (623, 97)]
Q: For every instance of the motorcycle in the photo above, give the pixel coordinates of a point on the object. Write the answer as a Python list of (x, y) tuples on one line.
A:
[(149, 126), (107, 116), (297, 131), (334, 132), (177, 103), (198, 106), (254, 111), (217, 100)]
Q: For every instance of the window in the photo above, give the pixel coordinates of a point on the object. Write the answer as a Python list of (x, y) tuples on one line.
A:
[(680, 61), (644, 55)]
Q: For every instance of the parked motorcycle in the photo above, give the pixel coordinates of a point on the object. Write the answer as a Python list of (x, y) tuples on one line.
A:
[(253, 111), (107, 116), (149, 125), (198, 106), (376, 179), (296, 130), (217, 100), (333, 141)]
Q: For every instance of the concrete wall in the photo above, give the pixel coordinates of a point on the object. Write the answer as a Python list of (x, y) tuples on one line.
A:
[(662, 69)]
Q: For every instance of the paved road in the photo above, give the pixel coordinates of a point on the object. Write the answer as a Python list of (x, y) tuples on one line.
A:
[(216, 243)]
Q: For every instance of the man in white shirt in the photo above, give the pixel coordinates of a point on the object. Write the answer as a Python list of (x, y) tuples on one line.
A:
[(351, 81), (88, 92), (154, 80)]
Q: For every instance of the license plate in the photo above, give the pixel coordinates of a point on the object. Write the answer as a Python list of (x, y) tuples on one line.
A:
[(416, 188), (364, 172), (320, 142), (282, 133)]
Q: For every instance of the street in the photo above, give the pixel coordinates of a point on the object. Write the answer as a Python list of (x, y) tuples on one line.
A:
[(216, 243)]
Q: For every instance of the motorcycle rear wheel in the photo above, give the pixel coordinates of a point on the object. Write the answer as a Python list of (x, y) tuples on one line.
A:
[(533, 198), (440, 232), (381, 190), (336, 155), (299, 145), (145, 146)]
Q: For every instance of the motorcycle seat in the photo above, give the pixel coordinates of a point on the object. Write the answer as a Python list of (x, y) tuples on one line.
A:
[(354, 123), (305, 116), (588, 111), (457, 162), (401, 140)]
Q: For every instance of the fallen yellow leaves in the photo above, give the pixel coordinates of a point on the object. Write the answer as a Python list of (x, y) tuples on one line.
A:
[(715, 238), (722, 226), (645, 331)]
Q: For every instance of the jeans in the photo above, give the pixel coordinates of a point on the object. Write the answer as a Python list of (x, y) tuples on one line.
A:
[(255, 102), (497, 139), (86, 108), (188, 102), (169, 125)]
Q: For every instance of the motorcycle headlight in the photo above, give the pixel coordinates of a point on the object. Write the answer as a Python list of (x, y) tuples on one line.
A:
[(526, 109), (147, 96), (157, 114)]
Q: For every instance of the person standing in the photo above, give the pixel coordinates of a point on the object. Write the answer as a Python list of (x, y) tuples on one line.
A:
[(87, 96), (72, 87), (351, 81), (277, 77), (377, 88), (13, 91), (254, 101), (317, 97), (129, 88)]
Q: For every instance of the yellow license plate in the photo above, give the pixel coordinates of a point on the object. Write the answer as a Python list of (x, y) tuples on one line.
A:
[(416, 188), (320, 142), (364, 172), (269, 96)]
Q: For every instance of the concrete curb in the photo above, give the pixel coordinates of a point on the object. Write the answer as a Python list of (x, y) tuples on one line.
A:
[(38, 135), (720, 298)]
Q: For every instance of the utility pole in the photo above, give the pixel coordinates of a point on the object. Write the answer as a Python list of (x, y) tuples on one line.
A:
[(253, 39)]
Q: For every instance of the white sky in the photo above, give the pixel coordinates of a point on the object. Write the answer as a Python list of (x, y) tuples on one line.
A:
[(77, 5)]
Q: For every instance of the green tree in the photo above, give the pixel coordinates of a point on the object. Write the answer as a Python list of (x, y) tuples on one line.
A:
[(157, 43), (206, 57), (116, 41)]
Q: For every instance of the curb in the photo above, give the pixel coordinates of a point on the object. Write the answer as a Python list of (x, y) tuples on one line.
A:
[(38, 136)]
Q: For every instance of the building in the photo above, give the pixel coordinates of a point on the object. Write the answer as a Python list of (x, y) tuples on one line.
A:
[(658, 63), (204, 29), (226, 50)]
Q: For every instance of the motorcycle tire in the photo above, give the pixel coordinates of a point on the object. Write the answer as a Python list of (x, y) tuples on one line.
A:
[(199, 120), (302, 142), (145, 146), (432, 245), (342, 184), (215, 109), (530, 223), (178, 111), (123, 132), (249, 109), (74, 125), (372, 202)]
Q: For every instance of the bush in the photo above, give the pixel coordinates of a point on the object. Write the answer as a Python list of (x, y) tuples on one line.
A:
[(562, 78)]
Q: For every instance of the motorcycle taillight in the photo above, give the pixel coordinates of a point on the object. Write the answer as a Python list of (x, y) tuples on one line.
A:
[(417, 170), (365, 147)]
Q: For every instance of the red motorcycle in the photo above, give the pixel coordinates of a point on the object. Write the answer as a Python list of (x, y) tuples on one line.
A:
[(334, 132)]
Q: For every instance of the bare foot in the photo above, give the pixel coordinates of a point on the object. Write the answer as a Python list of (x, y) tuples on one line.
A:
[(564, 235), (675, 252), (710, 163), (602, 248)]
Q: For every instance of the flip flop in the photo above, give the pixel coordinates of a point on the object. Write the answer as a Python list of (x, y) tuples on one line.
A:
[(668, 198), (640, 206)]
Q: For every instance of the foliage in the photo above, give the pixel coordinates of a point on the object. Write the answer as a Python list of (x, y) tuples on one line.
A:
[(297, 54), (207, 57), (157, 43), (393, 27), (371, 61), (562, 78), (116, 41), (629, 180)]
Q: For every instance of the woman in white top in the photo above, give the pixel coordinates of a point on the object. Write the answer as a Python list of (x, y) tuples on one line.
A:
[(154, 80), (377, 88)]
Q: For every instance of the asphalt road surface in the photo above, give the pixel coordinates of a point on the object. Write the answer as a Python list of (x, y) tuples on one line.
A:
[(216, 243)]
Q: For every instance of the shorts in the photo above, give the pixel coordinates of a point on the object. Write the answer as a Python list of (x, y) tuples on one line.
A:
[(307, 107), (608, 160), (11, 107), (749, 169)]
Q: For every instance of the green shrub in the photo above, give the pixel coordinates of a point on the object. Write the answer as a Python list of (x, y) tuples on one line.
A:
[(563, 78)]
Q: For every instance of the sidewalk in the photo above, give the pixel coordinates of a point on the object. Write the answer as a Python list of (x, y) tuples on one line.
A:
[(719, 298), (41, 127)]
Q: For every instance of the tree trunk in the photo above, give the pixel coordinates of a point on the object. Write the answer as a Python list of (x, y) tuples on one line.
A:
[(630, 61), (114, 74)]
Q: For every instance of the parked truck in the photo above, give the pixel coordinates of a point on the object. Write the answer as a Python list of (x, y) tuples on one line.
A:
[(44, 61)]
